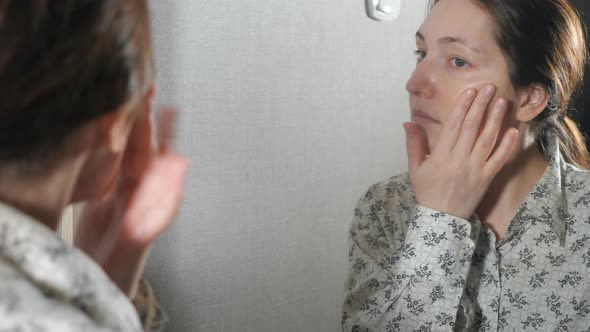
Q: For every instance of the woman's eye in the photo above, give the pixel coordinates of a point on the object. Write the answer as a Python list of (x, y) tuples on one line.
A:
[(420, 55), (459, 63)]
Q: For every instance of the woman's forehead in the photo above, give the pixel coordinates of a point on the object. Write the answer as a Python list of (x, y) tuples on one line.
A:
[(460, 19)]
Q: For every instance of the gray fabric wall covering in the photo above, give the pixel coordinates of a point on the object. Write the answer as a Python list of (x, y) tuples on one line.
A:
[(290, 110)]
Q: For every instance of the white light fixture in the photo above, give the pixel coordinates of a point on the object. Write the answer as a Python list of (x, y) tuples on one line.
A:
[(383, 10)]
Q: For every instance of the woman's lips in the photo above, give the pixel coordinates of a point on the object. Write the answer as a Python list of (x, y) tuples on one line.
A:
[(422, 118)]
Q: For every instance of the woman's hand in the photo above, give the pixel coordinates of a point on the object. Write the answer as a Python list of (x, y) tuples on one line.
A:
[(456, 175), (118, 230)]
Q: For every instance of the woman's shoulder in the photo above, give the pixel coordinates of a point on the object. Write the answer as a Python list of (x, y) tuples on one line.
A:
[(575, 175), (576, 186), (576, 182), (392, 189), (383, 212), (387, 202), (24, 306)]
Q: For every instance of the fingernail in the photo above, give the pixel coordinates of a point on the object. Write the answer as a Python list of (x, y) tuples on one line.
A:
[(502, 103), (470, 93), (489, 90)]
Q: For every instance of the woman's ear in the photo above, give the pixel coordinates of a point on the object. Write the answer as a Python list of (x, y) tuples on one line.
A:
[(113, 129), (532, 101)]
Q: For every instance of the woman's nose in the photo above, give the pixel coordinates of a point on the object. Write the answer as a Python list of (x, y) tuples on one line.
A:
[(422, 81)]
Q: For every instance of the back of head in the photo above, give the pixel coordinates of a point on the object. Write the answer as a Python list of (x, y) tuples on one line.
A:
[(62, 64)]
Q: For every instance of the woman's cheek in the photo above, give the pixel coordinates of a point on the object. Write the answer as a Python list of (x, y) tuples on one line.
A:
[(461, 79)]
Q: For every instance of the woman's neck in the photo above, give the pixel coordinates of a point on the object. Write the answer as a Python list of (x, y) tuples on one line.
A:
[(41, 197), (510, 188)]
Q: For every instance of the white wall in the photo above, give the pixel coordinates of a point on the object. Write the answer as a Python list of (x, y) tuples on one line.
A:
[(291, 109)]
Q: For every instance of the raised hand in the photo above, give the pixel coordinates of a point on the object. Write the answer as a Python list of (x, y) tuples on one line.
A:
[(456, 175), (118, 230)]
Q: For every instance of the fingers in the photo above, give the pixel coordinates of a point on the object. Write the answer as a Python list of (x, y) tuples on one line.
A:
[(155, 192), (156, 200), (472, 124), (416, 146), (141, 146), (167, 118), (502, 153), (452, 127), (489, 135)]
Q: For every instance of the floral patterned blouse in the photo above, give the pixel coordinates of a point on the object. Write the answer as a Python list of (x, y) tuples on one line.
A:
[(48, 286), (412, 268)]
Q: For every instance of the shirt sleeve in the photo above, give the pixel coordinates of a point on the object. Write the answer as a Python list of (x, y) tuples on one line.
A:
[(151, 315), (406, 271)]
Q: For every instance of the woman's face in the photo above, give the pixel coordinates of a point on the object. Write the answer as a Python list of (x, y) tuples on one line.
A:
[(456, 50)]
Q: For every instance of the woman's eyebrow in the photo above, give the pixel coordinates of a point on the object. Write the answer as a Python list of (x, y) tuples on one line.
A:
[(449, 40)]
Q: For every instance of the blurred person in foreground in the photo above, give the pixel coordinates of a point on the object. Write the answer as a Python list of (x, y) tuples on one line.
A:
[(76, 82)]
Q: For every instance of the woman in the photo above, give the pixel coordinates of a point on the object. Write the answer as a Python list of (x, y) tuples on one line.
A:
[(75, 125), (489, 229)]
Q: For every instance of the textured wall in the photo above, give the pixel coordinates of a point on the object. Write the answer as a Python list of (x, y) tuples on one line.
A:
[(291, 109)]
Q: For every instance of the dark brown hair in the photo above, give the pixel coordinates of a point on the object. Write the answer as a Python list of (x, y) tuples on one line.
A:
[(64, 63), (544, 42)]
